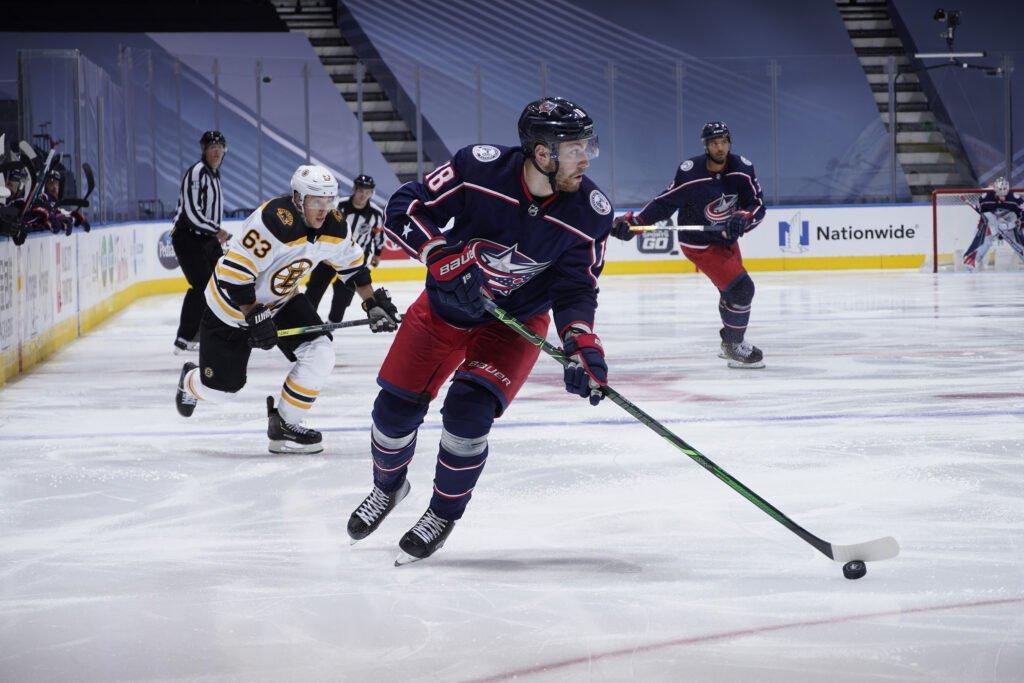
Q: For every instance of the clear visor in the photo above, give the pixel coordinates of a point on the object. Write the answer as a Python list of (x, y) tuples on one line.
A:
[(575, 151), (320, 203)]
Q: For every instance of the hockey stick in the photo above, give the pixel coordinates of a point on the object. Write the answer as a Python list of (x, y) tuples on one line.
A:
[(326, 327), (694, 228), (40, 181), (870, 551), (90, 185)]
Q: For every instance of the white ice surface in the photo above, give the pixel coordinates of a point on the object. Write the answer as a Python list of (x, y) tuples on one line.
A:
[(136, 545)]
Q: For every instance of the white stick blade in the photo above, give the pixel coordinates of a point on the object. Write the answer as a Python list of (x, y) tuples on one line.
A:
[(27, 149), (871, 551)]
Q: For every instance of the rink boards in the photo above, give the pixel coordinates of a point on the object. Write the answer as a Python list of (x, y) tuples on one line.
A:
[(55, 288)]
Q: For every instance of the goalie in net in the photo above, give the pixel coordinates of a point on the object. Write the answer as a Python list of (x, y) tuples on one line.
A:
[(999, 219)]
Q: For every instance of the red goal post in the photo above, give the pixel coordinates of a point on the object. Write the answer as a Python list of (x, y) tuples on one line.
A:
[(955, 221)]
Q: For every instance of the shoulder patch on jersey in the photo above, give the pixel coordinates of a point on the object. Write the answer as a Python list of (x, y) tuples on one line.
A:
[(686, 165), (486, 153), (337, 215), (285, 216), (600, 203), (746, 161)]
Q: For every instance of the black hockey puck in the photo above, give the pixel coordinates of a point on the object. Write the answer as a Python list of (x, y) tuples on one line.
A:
[(854, 569)]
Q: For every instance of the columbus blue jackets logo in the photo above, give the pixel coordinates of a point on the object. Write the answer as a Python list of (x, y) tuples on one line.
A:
[(600, 203), (719, 209), (506, 268), (686, 165), (486, 153)]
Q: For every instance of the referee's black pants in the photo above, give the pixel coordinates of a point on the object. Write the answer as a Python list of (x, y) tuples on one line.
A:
[(197, 255), (317, 285)]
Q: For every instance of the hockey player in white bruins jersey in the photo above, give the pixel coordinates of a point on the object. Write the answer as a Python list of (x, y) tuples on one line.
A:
[(255, 289)]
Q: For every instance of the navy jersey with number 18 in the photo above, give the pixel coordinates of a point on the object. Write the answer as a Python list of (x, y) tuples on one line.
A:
[(536, 253)]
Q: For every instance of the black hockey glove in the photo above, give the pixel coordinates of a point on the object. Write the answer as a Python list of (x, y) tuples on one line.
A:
[(262, 330), (588, 371), (621, 226), (737, 224), (382, 313)]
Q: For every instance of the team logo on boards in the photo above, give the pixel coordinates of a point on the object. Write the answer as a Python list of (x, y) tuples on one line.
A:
[(506, 268), (287, 279), (717, 210), (165, 252), (794, 235), (486, 153), (600, 203)]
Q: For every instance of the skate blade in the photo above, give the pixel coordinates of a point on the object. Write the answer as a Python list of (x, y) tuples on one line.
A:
[(185, 352), (287, 448), (405, 558), (746, 366)]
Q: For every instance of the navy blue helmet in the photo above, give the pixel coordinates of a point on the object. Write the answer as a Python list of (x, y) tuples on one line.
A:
[(712, 130)]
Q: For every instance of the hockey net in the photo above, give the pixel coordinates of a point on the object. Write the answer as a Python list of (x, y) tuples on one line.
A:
[(954, 224)]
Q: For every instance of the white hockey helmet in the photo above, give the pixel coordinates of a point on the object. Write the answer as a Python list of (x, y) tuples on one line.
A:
[(314, 181), (1001, 186)]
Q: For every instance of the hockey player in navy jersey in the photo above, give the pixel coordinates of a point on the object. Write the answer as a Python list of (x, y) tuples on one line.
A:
[(1000, 212), (530, 231), (714, 188)]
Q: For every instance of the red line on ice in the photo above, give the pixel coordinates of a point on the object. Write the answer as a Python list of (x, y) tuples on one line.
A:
[(612, 654)]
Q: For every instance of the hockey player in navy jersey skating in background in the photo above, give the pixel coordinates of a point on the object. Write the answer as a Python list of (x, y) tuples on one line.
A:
[(530, 232), (714, 188), (999, 217)]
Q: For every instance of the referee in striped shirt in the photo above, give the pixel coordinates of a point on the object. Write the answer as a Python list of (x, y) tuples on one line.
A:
[(197, 236)]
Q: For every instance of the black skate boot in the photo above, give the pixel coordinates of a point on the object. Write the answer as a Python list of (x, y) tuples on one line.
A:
[(372, 511), (183, 400), (425, 538), (290, 438), (742, 355)]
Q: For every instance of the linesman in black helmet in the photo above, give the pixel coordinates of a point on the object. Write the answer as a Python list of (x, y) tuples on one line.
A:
[(197, 236)]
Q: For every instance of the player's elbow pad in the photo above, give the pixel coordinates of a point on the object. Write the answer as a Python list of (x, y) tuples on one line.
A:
[(361, 278), (240, 295)]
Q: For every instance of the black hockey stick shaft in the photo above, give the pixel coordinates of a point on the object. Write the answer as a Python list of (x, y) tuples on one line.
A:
[(822, 546), (326, 327)]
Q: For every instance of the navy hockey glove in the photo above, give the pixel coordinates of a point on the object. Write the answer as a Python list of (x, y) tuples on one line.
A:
[(459, 279), (737, 224), (382, 313), (621, 226), (262, 330), (587, 370)]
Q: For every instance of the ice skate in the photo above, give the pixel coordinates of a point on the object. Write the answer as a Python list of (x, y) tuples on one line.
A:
[(426, 537), (290, 438), (742, 355), (372, 511), (184, 401)]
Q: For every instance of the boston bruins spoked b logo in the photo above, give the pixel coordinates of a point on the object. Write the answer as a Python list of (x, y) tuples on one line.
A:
[(287, 279)]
